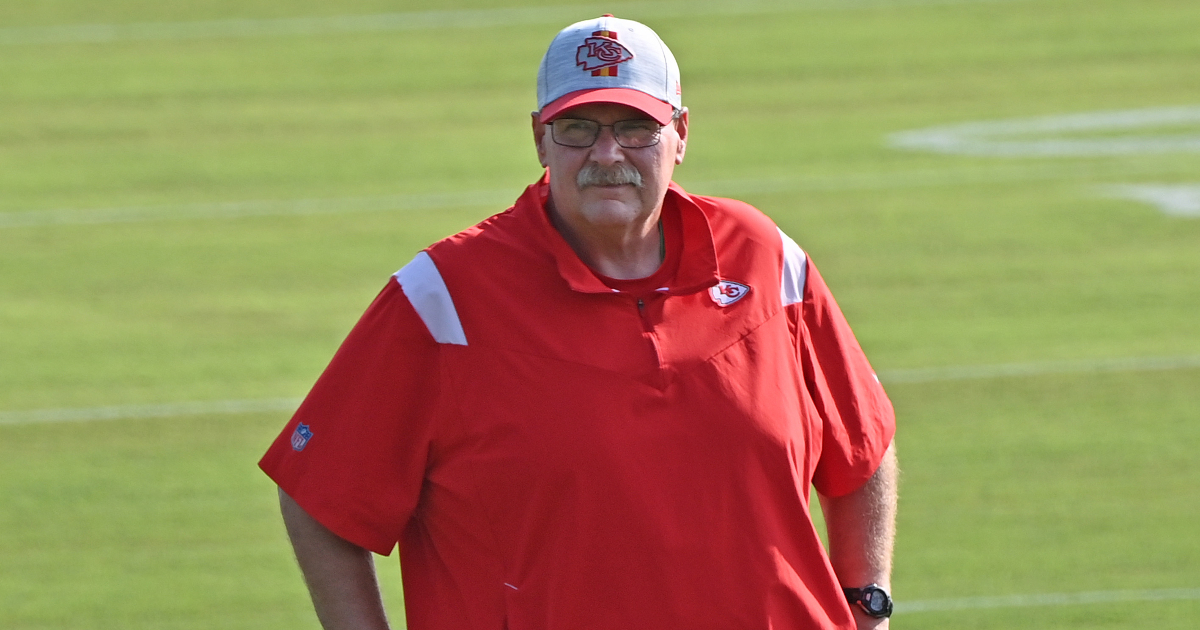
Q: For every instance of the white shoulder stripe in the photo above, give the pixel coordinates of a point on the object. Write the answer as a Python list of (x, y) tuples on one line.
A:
[(422, 283), (795, 270)]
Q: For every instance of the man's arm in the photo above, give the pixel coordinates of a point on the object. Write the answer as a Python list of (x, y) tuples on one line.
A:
[(862, 529), (340, 575)]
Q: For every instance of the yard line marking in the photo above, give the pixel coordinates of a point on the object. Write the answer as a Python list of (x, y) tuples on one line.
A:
[(1048, 599), (1002, 370), (1062, 135), (920, 375), (166, 410), (503, 198), (421, 20), (1176, 200)]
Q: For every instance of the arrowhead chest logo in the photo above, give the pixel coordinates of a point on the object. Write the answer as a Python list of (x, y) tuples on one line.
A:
[(727, 292), (601, 54)]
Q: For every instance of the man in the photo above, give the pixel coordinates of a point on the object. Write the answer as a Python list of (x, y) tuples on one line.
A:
[(602, 408)]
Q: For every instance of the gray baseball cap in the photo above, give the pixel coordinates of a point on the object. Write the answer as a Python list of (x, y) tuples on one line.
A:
[(609, 60)]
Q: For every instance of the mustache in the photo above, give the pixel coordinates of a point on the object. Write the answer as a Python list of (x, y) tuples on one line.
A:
[(618, 174)]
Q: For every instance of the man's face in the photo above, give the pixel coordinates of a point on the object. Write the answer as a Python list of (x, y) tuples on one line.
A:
[(609, 205)]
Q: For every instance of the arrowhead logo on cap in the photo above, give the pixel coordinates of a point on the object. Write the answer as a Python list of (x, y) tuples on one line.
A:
[(601, 53)]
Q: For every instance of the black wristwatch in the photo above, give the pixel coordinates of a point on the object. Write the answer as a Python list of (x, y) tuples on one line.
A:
[(872, 599)]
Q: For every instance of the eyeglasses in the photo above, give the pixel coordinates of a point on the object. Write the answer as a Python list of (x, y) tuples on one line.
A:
[(582, 133)]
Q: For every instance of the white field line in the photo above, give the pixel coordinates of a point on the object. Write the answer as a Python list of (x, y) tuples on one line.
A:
[(1002, 370), (923, 375), (1063, 135), (1176, 200), (499, 199), (424, 20), (1048, 599)]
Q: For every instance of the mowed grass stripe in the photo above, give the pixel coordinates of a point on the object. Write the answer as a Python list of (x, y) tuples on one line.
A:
[(165, 410), (256, 208), (925, 178), (919, 375), (1047, 599), (420, 20), (1002, 370)]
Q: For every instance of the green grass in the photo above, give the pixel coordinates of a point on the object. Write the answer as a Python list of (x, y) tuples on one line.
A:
[(1052, 484), (147, 524)]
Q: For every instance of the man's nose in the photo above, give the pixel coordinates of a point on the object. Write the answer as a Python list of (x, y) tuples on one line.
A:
[(606, 150)]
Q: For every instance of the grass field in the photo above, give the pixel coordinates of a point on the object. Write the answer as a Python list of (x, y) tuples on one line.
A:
[(198, 199)]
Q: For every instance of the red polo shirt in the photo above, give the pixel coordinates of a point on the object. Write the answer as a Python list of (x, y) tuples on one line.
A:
[(554, 453)]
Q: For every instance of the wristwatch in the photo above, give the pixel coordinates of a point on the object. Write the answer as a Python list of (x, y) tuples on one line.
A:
[(872, 599)]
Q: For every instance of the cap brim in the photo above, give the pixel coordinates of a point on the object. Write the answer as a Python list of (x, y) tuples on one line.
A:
[(652, 107)]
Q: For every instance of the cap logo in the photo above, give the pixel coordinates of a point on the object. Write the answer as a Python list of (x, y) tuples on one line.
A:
[(602, 53), (727, 292)]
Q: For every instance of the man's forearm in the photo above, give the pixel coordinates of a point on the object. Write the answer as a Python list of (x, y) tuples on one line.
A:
[(862, 528), (340, 575)]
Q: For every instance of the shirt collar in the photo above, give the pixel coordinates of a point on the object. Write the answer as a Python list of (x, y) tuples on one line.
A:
[(697, 266)]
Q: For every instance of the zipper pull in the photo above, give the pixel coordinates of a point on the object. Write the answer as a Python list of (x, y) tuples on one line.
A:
[(641, 305)]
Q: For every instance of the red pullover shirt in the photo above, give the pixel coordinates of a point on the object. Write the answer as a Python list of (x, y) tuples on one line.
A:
[(554, 453)]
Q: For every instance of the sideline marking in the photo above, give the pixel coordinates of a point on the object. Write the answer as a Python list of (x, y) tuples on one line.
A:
[(1048, 599), (1176, 200), (919, 375), (1062, 135), (1002, 370), (420, 20)]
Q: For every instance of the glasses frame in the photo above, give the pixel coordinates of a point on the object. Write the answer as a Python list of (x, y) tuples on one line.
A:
[(616, 136)]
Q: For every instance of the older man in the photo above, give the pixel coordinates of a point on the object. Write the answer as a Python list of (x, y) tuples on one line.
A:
[(602, 408)]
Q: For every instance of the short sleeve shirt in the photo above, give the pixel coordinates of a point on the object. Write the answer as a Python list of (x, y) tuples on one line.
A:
[(554, 453)]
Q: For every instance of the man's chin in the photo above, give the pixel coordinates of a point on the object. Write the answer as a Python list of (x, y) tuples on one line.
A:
[(627, 193), (615, 211)]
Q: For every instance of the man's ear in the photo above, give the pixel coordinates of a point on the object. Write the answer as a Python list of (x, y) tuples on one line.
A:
[(539, 137), (681, 128)]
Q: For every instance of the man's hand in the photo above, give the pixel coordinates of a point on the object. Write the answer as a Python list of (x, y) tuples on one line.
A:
[(862, 531), (340, 575)]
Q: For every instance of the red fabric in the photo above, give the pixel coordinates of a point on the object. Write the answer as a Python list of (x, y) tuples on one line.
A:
[(367, 407), (660, 111), (836, 371), (583, 463)]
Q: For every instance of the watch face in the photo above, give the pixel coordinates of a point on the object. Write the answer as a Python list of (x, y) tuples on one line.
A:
[(875, 600), (871, 599)]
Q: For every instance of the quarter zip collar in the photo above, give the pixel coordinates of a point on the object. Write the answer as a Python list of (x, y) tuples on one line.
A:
[(697, 270)]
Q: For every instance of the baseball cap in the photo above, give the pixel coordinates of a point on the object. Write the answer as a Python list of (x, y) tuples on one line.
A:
[(609, 60)]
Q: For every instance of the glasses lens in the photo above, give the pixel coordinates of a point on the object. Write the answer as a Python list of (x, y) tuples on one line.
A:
[(573, 132), (580, 132), (635, 134)]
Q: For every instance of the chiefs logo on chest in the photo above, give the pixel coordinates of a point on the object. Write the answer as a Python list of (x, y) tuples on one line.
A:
[(727, 292)]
